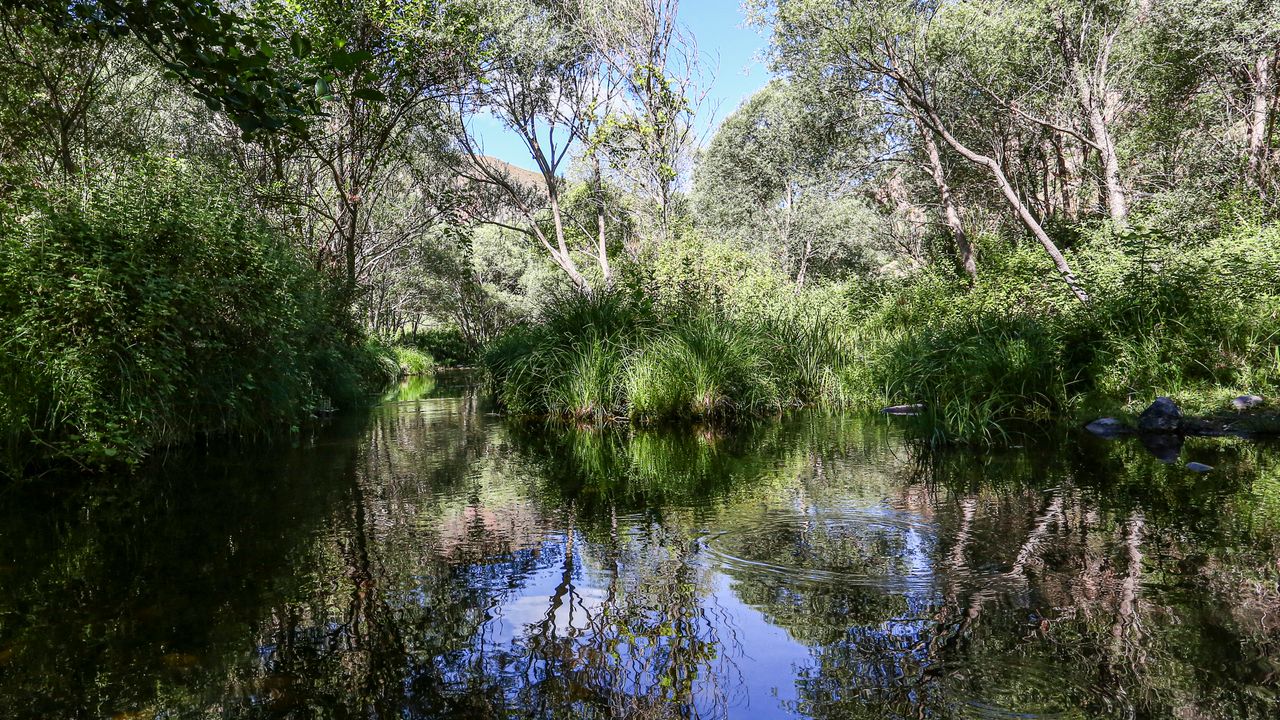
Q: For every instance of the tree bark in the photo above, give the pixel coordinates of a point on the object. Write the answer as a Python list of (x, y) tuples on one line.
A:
[(950, 213), (602, 249), (1069, 196), (561, 252)]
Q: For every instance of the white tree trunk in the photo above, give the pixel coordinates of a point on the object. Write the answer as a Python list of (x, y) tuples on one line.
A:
[(930, 117), (950, 213)]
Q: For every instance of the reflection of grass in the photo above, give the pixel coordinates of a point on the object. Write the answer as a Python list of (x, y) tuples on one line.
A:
[(414, 387)]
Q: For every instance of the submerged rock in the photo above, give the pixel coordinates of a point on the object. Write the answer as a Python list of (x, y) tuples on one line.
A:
[(1199, 467), (1163, 415), (1108, 427), (914, 409), (1244, 402)]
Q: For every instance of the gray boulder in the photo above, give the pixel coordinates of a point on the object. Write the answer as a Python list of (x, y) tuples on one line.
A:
[(1162, 416), (1244, 402), (1199, 467)]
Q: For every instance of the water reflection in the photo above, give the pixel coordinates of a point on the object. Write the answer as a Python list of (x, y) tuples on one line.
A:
[(433, 561)]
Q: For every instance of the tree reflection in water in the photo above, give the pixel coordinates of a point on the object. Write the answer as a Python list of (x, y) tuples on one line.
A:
[(439, 562)]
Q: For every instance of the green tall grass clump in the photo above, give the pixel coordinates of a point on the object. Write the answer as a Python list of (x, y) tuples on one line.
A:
[(571, 361), (614, 354), (412, 361), (141, 309), (702, 366)]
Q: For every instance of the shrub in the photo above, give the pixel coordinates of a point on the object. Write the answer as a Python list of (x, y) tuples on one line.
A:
[(150, 306), (445, 345)]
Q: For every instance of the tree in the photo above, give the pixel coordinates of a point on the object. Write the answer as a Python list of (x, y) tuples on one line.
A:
[(884, 48), (368, 175), (543, 82), (651, 63), (787, 174), (1225, 50), (233, 61)]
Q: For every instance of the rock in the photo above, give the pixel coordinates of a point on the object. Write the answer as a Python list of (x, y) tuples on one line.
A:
[(1165, 447), (1244, 402), (1199, 467), (915, 409), (1162, 416), (1107, 427)]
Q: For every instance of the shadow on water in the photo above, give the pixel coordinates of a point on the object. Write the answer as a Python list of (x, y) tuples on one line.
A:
[(432, 560)]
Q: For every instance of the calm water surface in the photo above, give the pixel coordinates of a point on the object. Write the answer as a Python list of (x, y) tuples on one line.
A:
[(433, 560)]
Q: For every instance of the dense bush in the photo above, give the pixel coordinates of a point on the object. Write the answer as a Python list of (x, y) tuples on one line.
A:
[(141, 309), (1194, 322), (445, 345), (716, 334)]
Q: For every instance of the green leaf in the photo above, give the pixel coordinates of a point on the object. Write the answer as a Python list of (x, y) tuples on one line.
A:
[(343, 61), (370, 94), (300, 45)]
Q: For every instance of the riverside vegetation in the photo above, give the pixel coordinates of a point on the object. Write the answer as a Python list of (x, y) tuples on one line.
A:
[(151, 308), (981, 357), (227, 219)]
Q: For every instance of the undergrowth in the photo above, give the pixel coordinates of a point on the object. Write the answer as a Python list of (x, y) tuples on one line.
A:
[(143, 309), (1200, 323)]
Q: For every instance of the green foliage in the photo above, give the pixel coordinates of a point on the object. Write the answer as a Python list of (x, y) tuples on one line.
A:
[(1196, 323), (569, 362), (783, 175), (412, 361), (727, 336), (702, 366), (446, 346), (148, 307)]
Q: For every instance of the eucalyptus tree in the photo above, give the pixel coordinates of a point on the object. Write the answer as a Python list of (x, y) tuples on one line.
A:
[(646, 138), (1062, 72), (1212, 75), (367, 175), (542, 82), (889, 51), (789, 174)]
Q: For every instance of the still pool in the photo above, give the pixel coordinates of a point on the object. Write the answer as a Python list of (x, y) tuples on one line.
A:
[(432, 560)]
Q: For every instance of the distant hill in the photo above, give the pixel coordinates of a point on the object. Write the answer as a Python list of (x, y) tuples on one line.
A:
[(522, 176)]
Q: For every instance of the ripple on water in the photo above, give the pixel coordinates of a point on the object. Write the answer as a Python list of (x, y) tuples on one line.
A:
[(879, 548)]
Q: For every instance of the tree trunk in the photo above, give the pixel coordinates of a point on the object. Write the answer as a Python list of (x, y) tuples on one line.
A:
[(950, 213), (561, 252), (1117, 204), (1010, 194), (349, 241), (1259, 120), (1069, 196), (602, 248)]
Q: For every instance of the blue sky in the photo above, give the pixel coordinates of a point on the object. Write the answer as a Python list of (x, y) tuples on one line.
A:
[(732, 53)]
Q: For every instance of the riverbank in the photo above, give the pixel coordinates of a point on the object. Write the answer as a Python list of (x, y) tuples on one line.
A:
[(1193, 321)]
